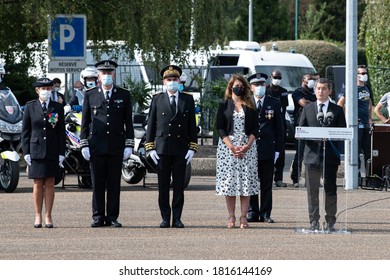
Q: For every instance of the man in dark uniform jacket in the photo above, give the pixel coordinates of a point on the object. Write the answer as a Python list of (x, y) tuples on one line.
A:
[(107, 138), (313, 155), (280, 93), (270, 141), (171, 141)]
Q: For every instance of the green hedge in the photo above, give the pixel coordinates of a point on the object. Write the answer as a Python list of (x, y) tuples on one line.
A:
[(320, 53)]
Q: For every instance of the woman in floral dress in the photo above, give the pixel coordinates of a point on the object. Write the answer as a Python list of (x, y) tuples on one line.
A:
[(237, 125)]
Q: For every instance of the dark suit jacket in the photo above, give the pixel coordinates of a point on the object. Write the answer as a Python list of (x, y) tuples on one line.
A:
[(107, 128), (225, 123), (39, 138), (270, 137), (170, 134), (313, 153)]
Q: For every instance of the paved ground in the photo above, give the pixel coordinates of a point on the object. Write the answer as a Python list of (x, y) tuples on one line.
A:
[(364, 217)]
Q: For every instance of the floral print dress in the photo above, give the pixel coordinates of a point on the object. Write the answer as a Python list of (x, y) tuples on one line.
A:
[(234, 176)]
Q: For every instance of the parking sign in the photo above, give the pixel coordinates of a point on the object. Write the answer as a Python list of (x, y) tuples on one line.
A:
[(67, 37)]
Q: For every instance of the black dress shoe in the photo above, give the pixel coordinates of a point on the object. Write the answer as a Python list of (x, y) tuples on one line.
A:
[(164, 224), (178, 224), (49, 225), (97, 223), (267, 220), (330, 227), (113, 224), (37, 225), (314, 225), (251, 219)]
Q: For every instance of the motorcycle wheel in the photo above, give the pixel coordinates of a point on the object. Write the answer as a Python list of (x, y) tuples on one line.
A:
[(9, 176), (133, 174)]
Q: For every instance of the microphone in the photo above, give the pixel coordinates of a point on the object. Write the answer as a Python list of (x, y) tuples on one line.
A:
[(320, 118), (328, 118)]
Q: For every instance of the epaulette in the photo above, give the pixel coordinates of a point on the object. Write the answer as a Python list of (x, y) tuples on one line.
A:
[(157, 93), (273, 98), (122, 88), (31, 101)]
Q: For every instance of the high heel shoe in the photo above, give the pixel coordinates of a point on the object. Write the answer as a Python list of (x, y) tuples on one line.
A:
[(243, 222), (37, 225), (232, 222)]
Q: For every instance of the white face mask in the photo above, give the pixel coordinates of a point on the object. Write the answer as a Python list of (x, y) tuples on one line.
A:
[(276, 82), (260, 91), (45, 95), (310, 83), (172, 86), (363, 78), (107, 80)]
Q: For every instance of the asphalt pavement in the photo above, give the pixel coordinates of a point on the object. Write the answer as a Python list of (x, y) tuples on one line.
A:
[(362, 230)]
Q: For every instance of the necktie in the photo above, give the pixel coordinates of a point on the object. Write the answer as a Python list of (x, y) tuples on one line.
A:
[(173, 104), (321, 106), (107, 96), (258, 106), (44, 108)]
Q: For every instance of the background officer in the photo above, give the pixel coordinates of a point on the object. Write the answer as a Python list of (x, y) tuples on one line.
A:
[(171, 141), (107, 138), (269, 142)]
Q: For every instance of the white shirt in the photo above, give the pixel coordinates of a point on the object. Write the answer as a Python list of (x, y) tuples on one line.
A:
[(325, 107), (176, 94)]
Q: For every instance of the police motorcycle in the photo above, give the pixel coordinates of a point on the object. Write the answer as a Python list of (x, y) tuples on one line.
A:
[(139, 164), (74, 163), (11, 117)]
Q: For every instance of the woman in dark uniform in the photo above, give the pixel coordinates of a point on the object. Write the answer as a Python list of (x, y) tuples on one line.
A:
[(43, 139)]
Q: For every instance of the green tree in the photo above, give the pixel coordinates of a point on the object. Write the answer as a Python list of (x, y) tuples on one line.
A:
[(376, 35)]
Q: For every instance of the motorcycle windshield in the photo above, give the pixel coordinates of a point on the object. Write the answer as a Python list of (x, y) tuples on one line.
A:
[(9, 107)]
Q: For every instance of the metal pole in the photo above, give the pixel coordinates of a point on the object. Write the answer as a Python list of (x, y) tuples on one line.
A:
[(351, 154), (250, 21), (296, 19)]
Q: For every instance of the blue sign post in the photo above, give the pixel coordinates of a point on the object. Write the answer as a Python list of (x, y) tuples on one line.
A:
[(68, 37)]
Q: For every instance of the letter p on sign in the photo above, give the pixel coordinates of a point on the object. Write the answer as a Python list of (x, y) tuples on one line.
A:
[(67, 37)]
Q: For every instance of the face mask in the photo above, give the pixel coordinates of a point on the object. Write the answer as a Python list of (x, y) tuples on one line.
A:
[(260, 91), (107, 80), (363, 78), (91, 84), (172, 86), (310, 83), (276, 82), (45, 95), (239, 91), (181, 87)]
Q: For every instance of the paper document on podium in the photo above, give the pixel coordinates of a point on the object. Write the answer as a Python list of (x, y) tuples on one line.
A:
[(316, 133)]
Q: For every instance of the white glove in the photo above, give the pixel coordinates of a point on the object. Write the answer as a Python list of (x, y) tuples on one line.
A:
[(127, 153), (67, 109), (276, 157), (154, 156), (61, 160), (85, 153), (189, 156), (27, 159)]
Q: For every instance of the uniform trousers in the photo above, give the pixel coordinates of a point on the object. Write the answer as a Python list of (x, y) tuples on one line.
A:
[(313, 181), (106, 173), (176, 166), (266, 173)]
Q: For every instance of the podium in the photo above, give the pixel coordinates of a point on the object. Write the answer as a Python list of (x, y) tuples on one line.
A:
[(324, 135)]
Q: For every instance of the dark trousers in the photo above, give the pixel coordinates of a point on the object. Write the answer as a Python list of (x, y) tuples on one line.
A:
[(297, 161), (364, 144), (167, 165), (106, 174), (279, 164), (266, 173), (312, 177)]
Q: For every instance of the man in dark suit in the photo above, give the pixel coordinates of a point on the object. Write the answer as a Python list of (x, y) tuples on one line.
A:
[(107, 138), (270, 141), (171, 141), (331, 116), (56, 95)]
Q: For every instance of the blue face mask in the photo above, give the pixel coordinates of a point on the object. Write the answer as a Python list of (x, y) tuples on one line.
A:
[(172, 86), (260, 91), (181, 87), (107, 80), (91, 84)]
